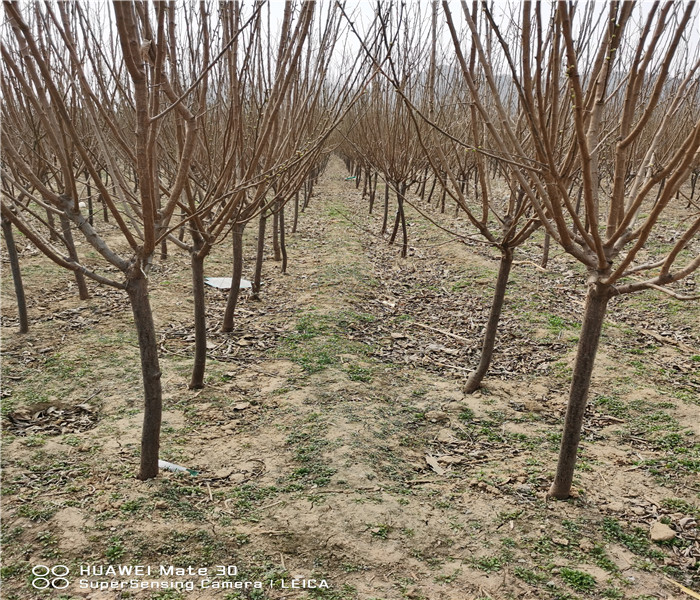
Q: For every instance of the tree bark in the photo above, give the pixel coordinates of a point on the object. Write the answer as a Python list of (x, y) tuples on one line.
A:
[(105, 212), (53, 236), (234, 292), (283, 245), (386, 207), (545, 250), (259, 257), (400, 220), (276, 231), (404, 231), (432, 188), (593, 316), (200, 320), (72, 252), (150, 369), (296, 212), (474, 381), (88, 189), (372, 191), (16, 275)]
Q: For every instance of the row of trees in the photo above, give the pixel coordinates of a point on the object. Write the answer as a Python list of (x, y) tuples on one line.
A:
[(588, 116), (189, 123)]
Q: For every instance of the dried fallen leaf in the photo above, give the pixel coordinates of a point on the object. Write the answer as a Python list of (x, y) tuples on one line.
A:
[(434, 465)]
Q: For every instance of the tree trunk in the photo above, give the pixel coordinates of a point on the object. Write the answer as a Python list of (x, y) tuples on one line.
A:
[(545, 250), (474, 381), (105, 212), (88, 189), (307, 194), (16, 275), (276, 231), (296, 212), (70, 245), (432, 189), (593, 316), (200, 320), (53, 236), (404, 231), (372, 191), (150, 370), (259, 257), (400, 219), (421, 191), (233, 293), (283, 245), (386, 207)]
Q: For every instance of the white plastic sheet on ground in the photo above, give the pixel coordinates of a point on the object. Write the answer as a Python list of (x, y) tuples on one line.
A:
[(224, 283)]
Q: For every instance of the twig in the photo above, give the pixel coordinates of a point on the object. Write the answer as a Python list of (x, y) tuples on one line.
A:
[(442, 331), (683, 588), (271, 505)]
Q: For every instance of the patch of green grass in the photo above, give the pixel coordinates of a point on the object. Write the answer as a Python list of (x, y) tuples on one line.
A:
[(37, 512), (636, 540), (358, 373), (578, 580), (611, 405), (530, 576), (448, 578), (34, 441), (319, 340), (309, 447), (467, 415), (380, 530), (557, 325), (489, 564), (115, 550), (682, 506), (181, 497), (601, 559)]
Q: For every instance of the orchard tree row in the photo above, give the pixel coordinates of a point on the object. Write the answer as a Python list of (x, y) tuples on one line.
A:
[(180, 124)]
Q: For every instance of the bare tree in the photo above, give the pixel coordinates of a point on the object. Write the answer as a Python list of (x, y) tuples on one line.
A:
[(57, 68), (590, 84)]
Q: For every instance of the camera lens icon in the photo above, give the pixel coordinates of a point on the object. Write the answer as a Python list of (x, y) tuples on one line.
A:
[(50, 577)]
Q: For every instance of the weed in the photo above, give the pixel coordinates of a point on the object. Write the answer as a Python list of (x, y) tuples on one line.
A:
[(636, 541), (43, 512), (34, 441), (489, 564), (611, 405), (116, 549), (357, 373), (679, 505), (601, 559), (529, 576), (578, 580), (381, 530), (448, 578)]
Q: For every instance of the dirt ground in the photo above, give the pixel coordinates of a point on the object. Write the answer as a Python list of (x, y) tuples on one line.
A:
[(333, 444)]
